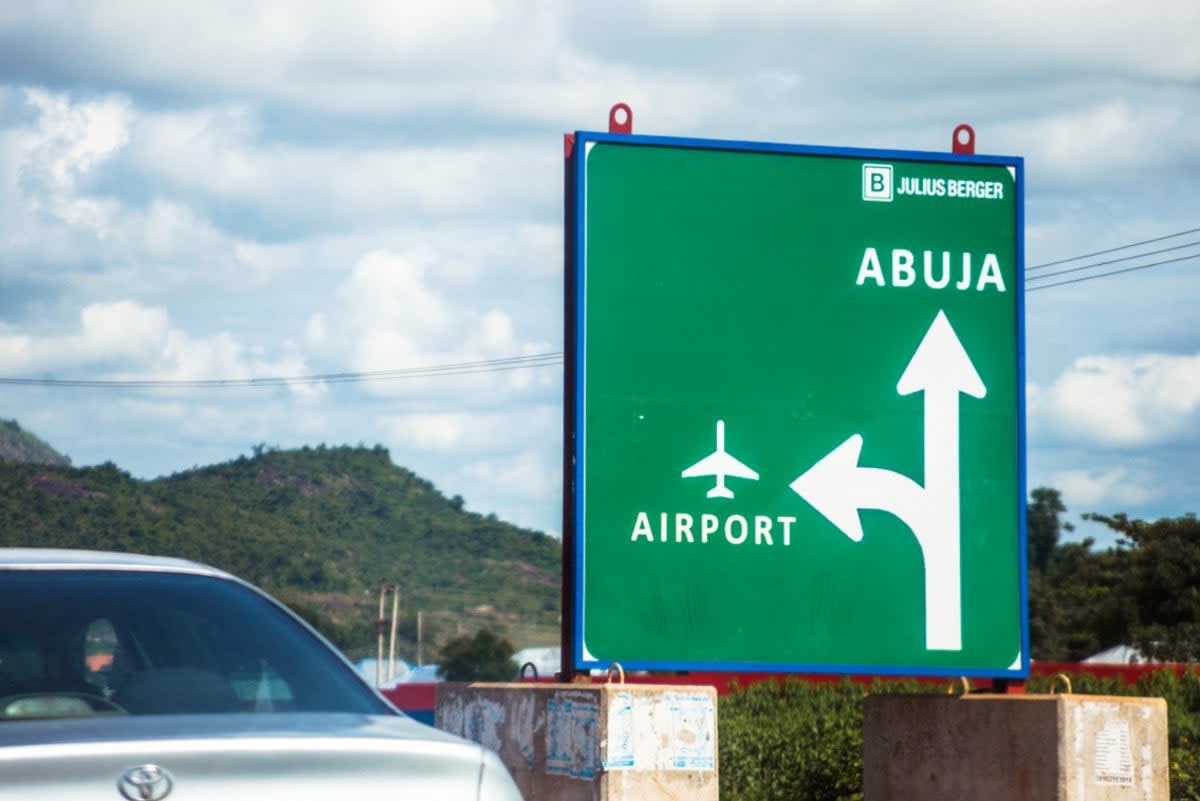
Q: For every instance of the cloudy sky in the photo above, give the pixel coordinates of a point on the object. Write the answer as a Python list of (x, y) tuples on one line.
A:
[(232, 190)]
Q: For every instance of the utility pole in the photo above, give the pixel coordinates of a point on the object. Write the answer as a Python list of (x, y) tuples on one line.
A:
[(380, 628), (420, 638), (392, 647)]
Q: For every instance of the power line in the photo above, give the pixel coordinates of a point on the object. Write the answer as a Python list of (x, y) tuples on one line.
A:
[(1114, 261), (1114, 272), (1111, 250), (460, 368)]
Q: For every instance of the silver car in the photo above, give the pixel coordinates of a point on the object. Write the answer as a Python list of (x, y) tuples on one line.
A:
[(150, 678)]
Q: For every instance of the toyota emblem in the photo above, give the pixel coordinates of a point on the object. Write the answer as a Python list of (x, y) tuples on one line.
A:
[(145, 783)]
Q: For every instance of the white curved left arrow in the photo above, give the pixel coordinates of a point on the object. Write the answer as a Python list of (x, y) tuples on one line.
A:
[(837, 487)]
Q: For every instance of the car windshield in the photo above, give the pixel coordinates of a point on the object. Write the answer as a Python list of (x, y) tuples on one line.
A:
[(81, 642)]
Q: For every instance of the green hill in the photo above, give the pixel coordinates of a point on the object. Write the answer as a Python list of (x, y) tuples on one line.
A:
[(322, 528), (18, 445)]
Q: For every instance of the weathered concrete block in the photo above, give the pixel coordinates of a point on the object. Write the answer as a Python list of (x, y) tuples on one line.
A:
[(585, 742), (1014, 748)]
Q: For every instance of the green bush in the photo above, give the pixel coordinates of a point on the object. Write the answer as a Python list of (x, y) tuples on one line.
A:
[(797, 740)]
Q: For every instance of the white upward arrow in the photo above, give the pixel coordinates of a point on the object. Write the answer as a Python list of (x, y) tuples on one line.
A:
[(837, 487)]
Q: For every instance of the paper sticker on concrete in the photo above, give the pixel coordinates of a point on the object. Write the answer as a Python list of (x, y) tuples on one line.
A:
[(480, 721), (693, 720), (674, 731), (521, 728), (619, 746), (572, 724), (1114, 757)]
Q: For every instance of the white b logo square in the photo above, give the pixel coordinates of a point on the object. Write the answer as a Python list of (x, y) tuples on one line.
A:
[(877, 182)]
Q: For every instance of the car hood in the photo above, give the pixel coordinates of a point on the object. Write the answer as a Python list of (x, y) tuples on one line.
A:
[(231, 757)]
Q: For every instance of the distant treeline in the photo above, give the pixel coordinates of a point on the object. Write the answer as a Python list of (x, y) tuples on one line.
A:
[(1143, 592)]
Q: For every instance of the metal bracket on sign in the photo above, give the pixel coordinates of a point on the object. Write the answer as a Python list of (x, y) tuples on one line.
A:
[(620, 119), (964, 139)]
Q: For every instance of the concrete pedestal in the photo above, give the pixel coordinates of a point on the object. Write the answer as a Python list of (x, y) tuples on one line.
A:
[(1014, 748), (584, 742)]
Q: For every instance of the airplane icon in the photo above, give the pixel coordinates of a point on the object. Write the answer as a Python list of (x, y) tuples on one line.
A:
[(720, 464)]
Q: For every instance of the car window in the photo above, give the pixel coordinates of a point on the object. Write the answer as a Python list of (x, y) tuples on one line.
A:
[(133, 642)]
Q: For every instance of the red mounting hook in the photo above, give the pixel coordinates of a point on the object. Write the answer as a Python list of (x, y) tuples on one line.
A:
[(620, 119), (964, 139)]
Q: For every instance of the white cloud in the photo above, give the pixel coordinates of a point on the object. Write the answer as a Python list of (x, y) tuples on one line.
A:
[(466, 60), (72, 140), (387, 292), (436, 432), (125, 340), (524, 486), (61, 171), (1122, 401), (110, 333), (500, 431), (51, 164), (261, 45), (219, 156), (1152, 39), (525, 475), (391, 314), (122, 330), (1110, 488), (171, 232), (274, 49), (269, 262), (1103, 137)]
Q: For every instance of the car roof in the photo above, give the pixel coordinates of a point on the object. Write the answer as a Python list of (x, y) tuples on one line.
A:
[(67, 559)]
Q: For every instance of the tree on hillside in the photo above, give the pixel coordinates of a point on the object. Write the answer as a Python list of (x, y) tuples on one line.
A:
[(485, 657), (346, 636), (320, 526)]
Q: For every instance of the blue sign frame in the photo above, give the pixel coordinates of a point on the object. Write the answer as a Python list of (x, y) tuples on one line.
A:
[(575, 464)]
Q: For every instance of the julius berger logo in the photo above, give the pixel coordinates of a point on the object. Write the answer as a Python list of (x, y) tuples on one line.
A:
[(877, 182), (880, 184)]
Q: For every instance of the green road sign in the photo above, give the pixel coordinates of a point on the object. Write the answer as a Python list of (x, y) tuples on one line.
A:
[(796, 409)]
